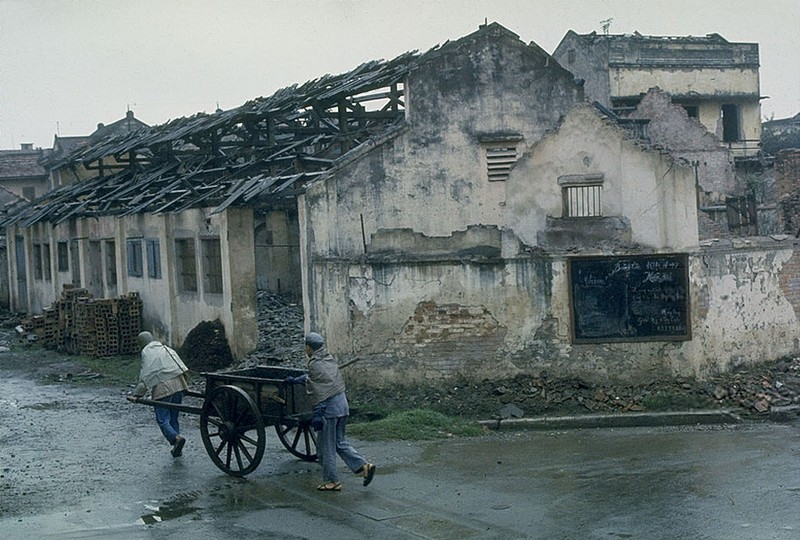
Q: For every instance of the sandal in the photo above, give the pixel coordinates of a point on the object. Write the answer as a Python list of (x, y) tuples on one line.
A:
[(330, 486), (368, 472)]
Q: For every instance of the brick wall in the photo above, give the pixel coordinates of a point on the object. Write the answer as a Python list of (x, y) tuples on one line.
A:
[(790, 281), (442, 339), (787, 190)]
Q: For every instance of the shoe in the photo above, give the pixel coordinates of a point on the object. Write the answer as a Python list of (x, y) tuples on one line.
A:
[(330, 486), (177, 448), (368, 472)]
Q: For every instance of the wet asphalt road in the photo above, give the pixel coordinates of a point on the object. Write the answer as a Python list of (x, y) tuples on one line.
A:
[(84, 463)]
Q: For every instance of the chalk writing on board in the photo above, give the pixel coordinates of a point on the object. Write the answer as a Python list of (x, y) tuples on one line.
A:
[(636, 298)]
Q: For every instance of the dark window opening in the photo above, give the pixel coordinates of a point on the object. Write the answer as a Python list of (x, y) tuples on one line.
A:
[(730, 123), (37, 261), (692, 110), (46, 262), (212, 266), (741, 212), (63, 257), (186, 262), (111, 264)]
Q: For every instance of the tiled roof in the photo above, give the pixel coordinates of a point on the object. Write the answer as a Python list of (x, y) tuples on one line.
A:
[(18, 164)]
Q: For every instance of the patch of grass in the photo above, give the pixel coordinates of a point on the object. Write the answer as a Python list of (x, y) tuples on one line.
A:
[(414, 425), (669, 401), (122, 370)]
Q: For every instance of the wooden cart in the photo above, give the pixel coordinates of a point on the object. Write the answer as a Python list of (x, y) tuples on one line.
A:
[(238, 405)]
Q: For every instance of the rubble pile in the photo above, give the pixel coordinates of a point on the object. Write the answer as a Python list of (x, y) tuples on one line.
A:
[(280, 331), (752, 391)]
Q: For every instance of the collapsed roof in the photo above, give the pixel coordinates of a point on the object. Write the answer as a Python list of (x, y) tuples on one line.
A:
[(266, 149)]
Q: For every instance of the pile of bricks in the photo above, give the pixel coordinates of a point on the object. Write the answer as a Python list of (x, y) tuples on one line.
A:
[(81, 324)]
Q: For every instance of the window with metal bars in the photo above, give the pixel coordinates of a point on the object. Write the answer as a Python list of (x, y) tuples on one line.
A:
[(63, 256), (583, 201), (582, 195), (186, 262), (212, 265), (499, 162)]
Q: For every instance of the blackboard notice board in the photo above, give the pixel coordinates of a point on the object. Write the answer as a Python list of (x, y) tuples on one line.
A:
[(635, 298)]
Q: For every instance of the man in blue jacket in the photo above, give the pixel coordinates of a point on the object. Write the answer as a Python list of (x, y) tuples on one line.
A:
[(325, 384)]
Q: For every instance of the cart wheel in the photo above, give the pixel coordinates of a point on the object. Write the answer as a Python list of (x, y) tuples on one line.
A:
[(232, 430), (298, 437)]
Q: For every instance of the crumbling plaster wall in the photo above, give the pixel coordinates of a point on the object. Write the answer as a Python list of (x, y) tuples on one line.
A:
[(235, 307), (685, 137), (587, 63), (652, 194), (715, 86), (167, 312), (431, 175), (439, 320)]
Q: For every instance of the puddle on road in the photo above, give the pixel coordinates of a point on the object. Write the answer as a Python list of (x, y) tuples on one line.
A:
[(176, 507), (233, 495)]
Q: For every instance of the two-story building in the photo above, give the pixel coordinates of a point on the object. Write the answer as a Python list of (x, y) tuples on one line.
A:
[(716, 81)]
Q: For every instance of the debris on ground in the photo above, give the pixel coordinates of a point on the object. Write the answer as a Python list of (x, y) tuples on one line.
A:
[(754, 389), (280, 331)]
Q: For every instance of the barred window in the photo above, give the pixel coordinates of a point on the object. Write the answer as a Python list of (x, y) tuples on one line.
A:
[(212, 265), (583, 201), (63, 257), (186, 263), (37, 261), (582, 195)]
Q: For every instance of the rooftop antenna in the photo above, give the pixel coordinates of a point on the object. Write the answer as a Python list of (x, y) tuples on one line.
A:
[(606, 24)]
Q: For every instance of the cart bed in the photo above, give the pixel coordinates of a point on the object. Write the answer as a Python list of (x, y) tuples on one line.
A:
[(265, 385)]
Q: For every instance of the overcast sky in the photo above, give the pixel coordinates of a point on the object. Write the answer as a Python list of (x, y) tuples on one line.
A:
[(66, 65)]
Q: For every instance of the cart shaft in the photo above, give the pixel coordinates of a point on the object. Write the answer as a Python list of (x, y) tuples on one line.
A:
[(172, 406)]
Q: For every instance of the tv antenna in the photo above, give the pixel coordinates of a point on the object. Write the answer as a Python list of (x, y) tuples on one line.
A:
[(606, 24)]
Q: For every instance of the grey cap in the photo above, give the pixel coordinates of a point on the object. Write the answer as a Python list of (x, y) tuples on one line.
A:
[(144, 338), (315, 341)]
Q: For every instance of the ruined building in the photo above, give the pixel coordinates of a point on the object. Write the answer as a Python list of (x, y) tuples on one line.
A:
[(465, 212), (714, 80)]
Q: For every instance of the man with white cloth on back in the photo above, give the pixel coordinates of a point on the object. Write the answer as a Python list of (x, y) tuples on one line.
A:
[(163, 374)]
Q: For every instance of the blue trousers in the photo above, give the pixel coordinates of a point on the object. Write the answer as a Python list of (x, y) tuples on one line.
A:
[(331, 442), (168, 418)]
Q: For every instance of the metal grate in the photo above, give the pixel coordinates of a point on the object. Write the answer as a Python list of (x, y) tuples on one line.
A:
[(583, 201)]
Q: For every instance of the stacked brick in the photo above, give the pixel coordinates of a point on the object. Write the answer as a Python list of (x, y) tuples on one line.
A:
[(81, 324)]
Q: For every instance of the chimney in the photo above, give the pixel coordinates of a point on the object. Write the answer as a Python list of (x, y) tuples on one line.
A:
[(26, 146)]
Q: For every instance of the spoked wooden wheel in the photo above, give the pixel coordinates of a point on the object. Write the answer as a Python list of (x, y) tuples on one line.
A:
[(298, 437), (232, 430)]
